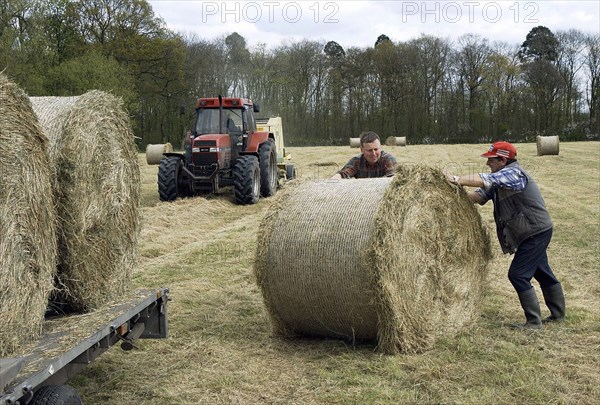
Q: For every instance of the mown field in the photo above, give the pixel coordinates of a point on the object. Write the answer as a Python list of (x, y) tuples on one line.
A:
[(221, 350)]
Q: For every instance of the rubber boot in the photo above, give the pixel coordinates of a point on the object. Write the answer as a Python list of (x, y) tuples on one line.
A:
[(531, 307), (555, 300)]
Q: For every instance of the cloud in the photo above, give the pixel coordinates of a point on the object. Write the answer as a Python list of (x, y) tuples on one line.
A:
[(359, 23)]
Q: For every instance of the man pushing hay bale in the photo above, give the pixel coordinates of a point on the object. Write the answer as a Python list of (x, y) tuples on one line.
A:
[(385, 260), (27, 220), (97, 189)]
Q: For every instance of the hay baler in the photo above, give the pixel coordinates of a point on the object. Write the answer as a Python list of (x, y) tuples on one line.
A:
[(225, 148)]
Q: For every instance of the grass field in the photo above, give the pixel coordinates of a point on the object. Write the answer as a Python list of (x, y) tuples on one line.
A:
[(221, 350)]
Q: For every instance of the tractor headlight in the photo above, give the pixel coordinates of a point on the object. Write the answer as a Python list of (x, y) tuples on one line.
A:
[(195, 150), (215, 150)]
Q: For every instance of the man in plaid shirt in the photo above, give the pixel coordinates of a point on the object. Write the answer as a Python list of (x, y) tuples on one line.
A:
[(524, 228), (372, 162)]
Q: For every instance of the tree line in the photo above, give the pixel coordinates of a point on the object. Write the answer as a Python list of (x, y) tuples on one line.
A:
[(429, 89)]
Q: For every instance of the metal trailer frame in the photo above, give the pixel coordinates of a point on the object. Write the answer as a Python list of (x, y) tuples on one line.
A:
[(144, 318)]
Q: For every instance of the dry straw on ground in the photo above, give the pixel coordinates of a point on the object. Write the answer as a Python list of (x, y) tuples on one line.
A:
[(398, 261), (97, 191), (396, 141), (154, 152), (547, 145), (27, 220)]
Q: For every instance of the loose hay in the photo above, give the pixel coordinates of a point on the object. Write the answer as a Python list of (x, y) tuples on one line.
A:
[(547, 145), (97, 191), (399, 261), (395, 141), (154, 152), (355, 142), (27, 220)]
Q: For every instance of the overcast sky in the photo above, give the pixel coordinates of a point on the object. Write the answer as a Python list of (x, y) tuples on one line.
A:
[(359, 23)]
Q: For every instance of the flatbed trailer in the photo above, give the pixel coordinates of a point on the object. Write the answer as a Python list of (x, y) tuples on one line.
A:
[(70, 343)]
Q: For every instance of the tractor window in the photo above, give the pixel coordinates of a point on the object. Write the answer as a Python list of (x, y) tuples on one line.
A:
[(250, 124), (234, 123), (208, 121)]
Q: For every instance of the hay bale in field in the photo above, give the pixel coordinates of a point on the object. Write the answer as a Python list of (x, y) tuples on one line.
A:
[(97, 193), (355, 142), (398, 261), (154, 152), (395, 141), (547, 145), (27, 220)]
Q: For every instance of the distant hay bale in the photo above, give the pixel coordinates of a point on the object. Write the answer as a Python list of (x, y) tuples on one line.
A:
[(355, 142), (547, 145), (27, 220), (395, 141), (97, 193), (154, 152), (398, 261)]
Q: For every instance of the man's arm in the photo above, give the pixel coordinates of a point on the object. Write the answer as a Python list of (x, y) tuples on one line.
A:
[(348, 171), (389, 165), (476, 197), (471, 180)]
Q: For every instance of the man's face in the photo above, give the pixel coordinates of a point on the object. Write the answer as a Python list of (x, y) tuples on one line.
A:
[(496, 164), (371, 151)]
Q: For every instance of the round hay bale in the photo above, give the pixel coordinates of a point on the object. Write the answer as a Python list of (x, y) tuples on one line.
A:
[(395, 141), (154, 152), (547, 145), (385, 260), (355, 142), (27, 220), (97, 195)]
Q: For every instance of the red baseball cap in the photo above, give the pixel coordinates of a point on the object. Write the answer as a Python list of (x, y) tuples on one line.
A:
[(501, 149)]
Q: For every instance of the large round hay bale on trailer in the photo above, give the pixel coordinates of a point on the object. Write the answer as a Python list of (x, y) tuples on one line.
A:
[(154, 152), (97, 193), (400, 262), (27, 220), (547, 145)]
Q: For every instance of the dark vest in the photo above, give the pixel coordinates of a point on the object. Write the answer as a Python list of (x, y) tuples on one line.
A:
[(519, 214)]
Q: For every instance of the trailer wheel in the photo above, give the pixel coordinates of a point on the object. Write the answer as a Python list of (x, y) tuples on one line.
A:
[(56, 395), (290, 172), (171, 183), (269, 174), (246, 180)]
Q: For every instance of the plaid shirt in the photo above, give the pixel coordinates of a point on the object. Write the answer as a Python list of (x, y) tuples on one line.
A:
[(508, 177), (359, 167)]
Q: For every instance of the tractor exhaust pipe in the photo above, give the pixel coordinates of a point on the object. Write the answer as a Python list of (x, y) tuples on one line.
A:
[(220, 114)]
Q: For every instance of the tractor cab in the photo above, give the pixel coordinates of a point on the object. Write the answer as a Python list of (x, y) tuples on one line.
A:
[(222, 128)]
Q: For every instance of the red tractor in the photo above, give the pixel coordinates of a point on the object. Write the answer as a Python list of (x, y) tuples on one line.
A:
[(224, 149)]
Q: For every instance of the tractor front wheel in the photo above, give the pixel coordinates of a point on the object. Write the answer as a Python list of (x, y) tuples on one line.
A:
[(246, 180), (170, 184), (269, 174)]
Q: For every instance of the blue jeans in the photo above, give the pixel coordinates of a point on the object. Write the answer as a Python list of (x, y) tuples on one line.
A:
[(531, 261)]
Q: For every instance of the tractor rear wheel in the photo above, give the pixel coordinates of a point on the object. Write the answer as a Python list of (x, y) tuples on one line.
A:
[(170, 184), (269, 174), (246, 180)]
